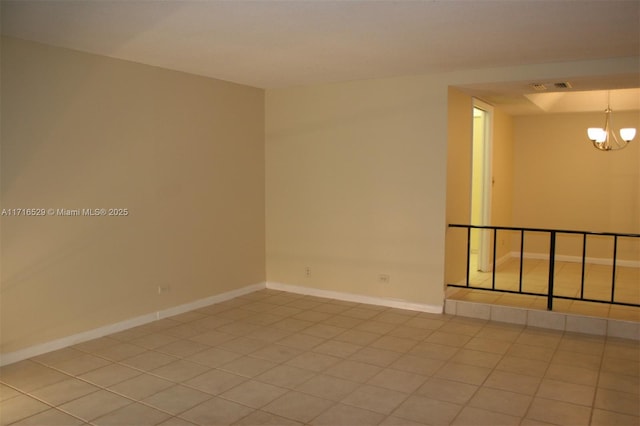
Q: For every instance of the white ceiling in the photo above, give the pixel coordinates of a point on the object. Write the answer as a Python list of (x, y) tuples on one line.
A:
[(283, 43)]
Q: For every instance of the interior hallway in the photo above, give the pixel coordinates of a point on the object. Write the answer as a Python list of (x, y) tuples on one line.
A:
[(278, 358)]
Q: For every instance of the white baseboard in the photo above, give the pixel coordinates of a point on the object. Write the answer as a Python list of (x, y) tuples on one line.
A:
[(500, 261), (358, 298), (53, 345), (578, 259), (212, 300), (503, 259), (22, 354)]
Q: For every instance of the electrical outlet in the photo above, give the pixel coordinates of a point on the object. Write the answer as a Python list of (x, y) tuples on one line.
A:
[(307, 271), (163, 289), (384, 278)]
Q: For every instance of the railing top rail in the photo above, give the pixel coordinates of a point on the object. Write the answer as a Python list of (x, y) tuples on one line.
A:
[(560, 231)]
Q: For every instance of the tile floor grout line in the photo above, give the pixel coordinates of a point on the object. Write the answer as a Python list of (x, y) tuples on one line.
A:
[(100, 387), (57, 406), (105, 388), (534, 395), (479, 386), (597, 385), (37, 399)]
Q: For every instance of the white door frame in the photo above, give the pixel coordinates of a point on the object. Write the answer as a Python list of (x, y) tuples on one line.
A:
[(487, 183)]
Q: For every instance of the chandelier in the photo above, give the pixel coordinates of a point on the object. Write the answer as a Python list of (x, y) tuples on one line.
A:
[(606, 139)]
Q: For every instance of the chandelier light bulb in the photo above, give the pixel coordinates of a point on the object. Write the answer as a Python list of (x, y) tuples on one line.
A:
[(597, 134), (627, 134)]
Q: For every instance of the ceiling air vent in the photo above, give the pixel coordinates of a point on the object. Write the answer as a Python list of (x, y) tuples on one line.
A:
[(562, 85), (539, 87)]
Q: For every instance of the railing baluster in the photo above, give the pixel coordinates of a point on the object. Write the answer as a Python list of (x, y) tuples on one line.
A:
[(552, 261), (521, 258), (584, 256), (613, 273), (493, 269), (468, 253)]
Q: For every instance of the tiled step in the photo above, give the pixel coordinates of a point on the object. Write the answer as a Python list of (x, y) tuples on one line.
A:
[(545, 319)]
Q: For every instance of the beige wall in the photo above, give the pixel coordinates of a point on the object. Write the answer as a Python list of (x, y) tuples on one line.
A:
[(356, 187), (561, 181), (184, 154)]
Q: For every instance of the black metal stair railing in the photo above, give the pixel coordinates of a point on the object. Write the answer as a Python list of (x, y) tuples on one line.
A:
[(552, 259)]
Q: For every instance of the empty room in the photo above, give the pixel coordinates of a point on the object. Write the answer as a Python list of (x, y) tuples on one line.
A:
[(319, 212)]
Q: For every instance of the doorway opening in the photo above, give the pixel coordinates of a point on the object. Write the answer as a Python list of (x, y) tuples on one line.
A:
[(481, 181)]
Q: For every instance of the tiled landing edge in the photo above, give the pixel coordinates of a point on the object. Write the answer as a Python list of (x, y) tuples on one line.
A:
[(545, 319)]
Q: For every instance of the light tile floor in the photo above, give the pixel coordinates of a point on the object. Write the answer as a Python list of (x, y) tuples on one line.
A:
[(284, 359), (567, 278)]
